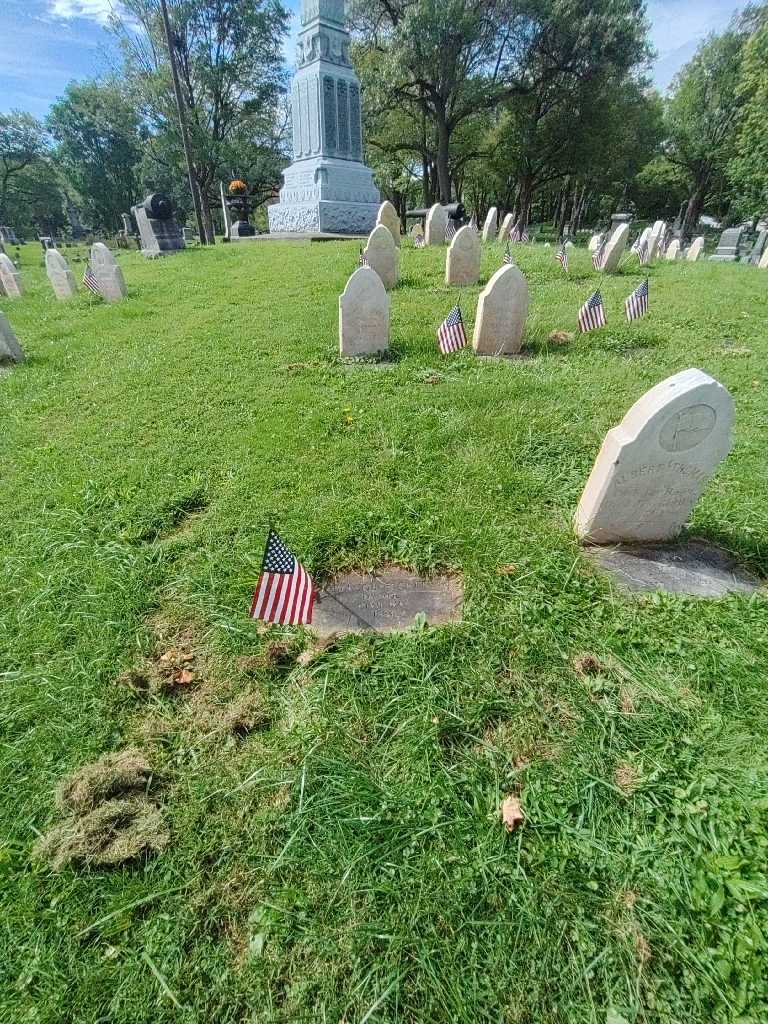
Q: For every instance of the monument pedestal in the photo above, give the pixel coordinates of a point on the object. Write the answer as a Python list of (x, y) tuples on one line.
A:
[(327, 188)]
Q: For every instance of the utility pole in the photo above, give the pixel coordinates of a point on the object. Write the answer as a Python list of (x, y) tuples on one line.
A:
[(183, 125)]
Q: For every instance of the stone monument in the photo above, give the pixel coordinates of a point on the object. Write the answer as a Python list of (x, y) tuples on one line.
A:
[(654, 465), (61, 277), (10, 349), (382, 255), (364, 315), (491, 224), (462, 262), (10, 278), (435, 225), (327, 188), (695, 249), (501, 313), (158, 228), (614, 249), (108, 274), (728, 247), (388, 216)]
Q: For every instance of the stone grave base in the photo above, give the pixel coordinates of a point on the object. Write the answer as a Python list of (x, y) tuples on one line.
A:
[(695, 567), (385, 602)]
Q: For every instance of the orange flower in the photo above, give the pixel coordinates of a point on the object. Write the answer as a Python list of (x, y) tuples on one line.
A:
[(237, 187)]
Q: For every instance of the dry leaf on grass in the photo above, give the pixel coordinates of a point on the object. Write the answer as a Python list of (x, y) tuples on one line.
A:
[(561, 337), (115, 832), (511, 813), (125, 773), (625, 778), (506, 570)]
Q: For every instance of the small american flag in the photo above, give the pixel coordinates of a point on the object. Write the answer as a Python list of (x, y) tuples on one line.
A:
[(520, 235), (562, 257), (450, 230), (635, 247), (90, 282), (637, 303), (362, 260), (450, 333), (285, 593), (597, 256), (507, 257), (473, 222), (419, 242), (592, 313)]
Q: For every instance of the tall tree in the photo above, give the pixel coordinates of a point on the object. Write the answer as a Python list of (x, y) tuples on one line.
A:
[(749, 169), (229, 56), (701, 117), (22, 143), (100, 142)]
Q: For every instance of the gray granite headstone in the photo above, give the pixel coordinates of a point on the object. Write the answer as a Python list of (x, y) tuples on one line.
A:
[(158, 228), (10, 349), (385, 602), (758, 248), (728, 246)]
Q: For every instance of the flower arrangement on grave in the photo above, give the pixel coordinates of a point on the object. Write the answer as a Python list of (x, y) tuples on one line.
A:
[(238, 188)]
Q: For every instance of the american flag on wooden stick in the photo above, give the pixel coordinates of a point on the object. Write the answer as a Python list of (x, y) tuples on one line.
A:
[(562, 257), (597, 256), (362, 259), (473, 222), (507, 257), (285, 593), (418, 241), (450, 334), (637, 303), (519, 235), (450, 229), (90, 281), (592, 313)]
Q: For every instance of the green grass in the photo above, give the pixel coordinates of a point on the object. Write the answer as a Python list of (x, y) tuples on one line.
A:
[(347, 862)]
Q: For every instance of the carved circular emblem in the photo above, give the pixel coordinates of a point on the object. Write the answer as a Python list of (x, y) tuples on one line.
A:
[(687, 428)]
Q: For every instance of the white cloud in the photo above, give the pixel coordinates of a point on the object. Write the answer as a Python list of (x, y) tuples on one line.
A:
[(92, 10)]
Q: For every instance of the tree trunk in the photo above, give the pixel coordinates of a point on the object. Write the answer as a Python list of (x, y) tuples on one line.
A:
[(443, 144), (524, 202), (693, 210), (208, 224)]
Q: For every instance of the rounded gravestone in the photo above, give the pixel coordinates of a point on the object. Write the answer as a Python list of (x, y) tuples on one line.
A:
[(382, 255), (387, 216), (10, 349), (491, 224), (695, 249), (506, 227), (614, 249), (10, 278), (462, 261), (655, 237), (501, 313), (437, 222), (61, 277), (108, 274), (763, 264), (673, 250), (364, 315), (654, 465)]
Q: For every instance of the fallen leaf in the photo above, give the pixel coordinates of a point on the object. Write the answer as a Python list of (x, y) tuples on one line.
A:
[(506, 570), (185, 677), (511, 813), (561, 337)]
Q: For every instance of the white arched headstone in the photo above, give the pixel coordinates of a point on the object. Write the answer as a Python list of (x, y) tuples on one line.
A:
[(387, 216), (491, 224), (501, 312), (382, 255), (506, 227), (673, 250), (654, 465), (10, 278), (61, 277), (363, 315), (462, 261), (763, 264), (437, 222), (10, 349), (417, 231), (655, 238), (108, 274), (614, 249), (695, 249), (595, 242)]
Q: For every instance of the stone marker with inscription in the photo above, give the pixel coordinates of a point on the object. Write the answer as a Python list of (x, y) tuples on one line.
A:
[(462, 261), (654, 465), (501, 312), (385, 602), (437, 222), (491, 224), (388, 216), (506, 227), (108, 274), (695, 249), (61, 277), (10, 349), (614, 250), (729, 245), (364, 314), (10, 278), (383, 256)]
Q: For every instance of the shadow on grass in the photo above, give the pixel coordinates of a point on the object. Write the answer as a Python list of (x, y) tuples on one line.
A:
[(750, 549)]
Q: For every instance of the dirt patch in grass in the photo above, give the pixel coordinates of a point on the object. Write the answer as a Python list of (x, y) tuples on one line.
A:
[(126, 773), (115, 832), (625, 777), (588, 664)]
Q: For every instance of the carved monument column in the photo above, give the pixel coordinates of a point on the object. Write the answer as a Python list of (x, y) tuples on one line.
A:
[(327, 187)]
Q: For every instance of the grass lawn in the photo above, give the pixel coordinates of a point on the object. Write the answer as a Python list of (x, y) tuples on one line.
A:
[(344, 859)]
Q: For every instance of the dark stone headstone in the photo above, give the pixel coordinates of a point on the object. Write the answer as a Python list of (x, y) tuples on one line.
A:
[(696, 568), (758, 248), (158, 229), (728, 246), (388, 601)]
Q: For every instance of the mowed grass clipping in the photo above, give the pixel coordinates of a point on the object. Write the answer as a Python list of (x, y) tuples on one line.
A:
[(335, 850)]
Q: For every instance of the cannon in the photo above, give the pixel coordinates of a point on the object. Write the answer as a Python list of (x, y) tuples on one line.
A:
[(456, 212)]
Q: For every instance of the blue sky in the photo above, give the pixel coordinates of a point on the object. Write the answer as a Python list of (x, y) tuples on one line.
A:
[(46, 43)]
